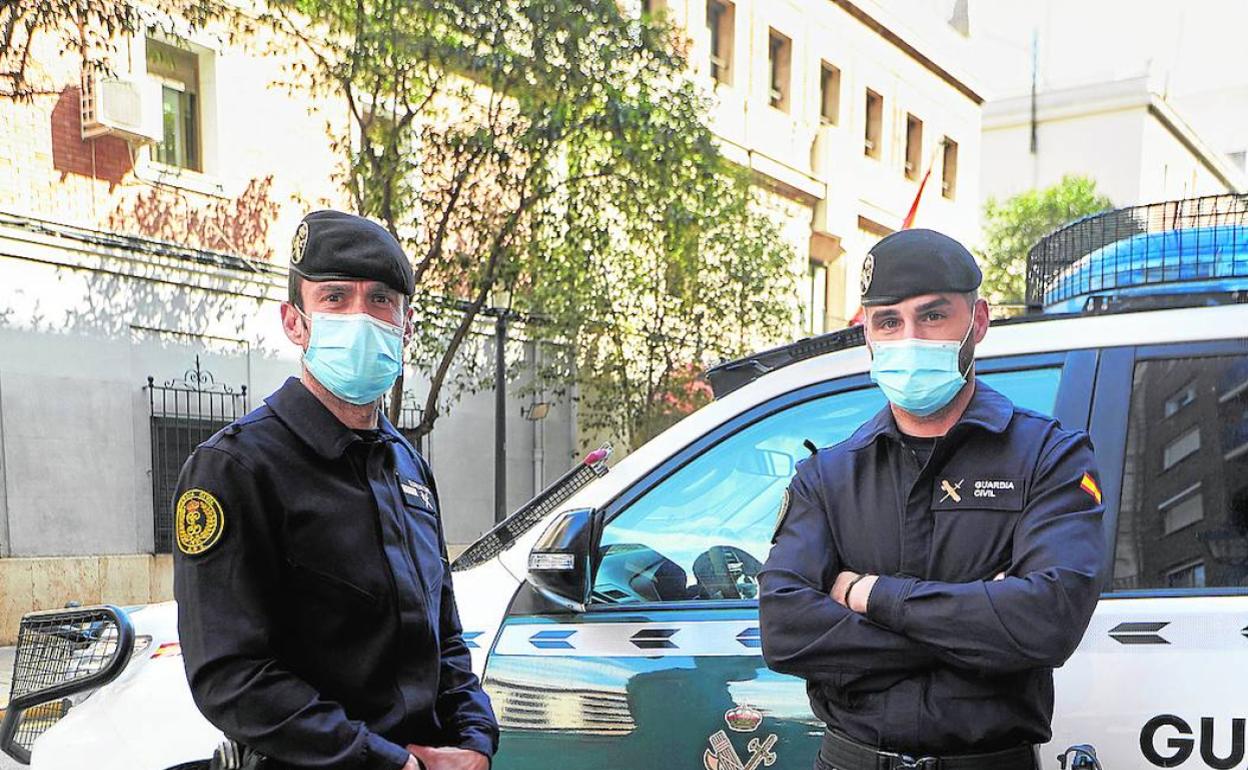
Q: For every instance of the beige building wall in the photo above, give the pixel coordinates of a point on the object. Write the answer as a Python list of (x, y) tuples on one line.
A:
[(258, 175), (841, 199), (86, 316), (1123, 134)]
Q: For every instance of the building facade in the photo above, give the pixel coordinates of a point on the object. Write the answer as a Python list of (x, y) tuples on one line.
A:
[(840, 109), (144, 235), (1123, 134), (139, 290)]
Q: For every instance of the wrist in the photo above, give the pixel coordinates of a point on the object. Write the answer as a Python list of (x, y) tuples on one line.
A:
[(852, 585)]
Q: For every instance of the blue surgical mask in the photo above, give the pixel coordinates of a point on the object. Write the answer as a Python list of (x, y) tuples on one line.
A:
[(355, 356), (919, 376)]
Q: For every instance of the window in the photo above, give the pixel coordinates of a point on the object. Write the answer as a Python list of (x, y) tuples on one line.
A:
[(914, 146), (829, 94), (720, 24), (704, 531), (949, 169), (1189, 576), (183, 414), (817, 305), (873, 137), (1180, 448), (1186, 527), (178, 73), (779, 60), (1183, 510), (1179, 400)]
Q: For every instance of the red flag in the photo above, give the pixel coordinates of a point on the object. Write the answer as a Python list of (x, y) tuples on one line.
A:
[(860, 316), (908, 222)]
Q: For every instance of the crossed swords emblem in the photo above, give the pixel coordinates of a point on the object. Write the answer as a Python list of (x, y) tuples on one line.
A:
[(722, 756), (951, 490)]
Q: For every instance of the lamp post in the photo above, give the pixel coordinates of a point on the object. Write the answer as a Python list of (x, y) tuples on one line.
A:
[(500, 415)]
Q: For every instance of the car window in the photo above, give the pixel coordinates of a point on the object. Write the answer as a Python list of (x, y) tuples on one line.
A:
[(1183, 518), (703, 532)]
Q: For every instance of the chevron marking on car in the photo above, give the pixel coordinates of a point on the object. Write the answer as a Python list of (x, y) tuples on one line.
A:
[(470, 639), (556, 639), (1139, 632), (751, 637), (655, 639), (630, 639)]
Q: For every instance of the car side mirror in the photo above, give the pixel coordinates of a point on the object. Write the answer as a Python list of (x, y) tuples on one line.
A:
[(559, 564)]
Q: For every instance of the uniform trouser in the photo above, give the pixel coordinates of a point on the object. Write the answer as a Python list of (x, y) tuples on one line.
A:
[(834, 756)]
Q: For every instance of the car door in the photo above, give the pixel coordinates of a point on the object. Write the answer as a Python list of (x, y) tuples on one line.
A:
[(663, 666), (1161, 678)]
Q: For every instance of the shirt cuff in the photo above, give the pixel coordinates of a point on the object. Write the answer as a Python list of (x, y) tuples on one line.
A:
[(884, 601), (478, 741), (381, 754)]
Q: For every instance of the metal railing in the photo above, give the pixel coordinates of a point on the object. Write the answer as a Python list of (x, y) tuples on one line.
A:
[(1174, 242), (184, 414)]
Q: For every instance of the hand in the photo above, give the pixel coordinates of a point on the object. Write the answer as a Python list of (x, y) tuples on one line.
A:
[(449, 758), (857, 598), (861, 594), (412, 764), (840, 585)]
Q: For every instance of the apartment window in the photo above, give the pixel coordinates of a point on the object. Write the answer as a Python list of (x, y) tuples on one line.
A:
[(949, 169), (829, 94), (817, 296), (1181, 447), (779, 59), (1188, 576), (720, 24), (914, 146), (874, 137), (1181, 399), (177, 71), (1185, 527), (1182, 510)]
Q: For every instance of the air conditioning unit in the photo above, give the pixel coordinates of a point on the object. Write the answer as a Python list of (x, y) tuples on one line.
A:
[(128, 108)]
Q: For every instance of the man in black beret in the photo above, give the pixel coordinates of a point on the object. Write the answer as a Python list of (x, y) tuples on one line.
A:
[(315, 609), (929, 572)]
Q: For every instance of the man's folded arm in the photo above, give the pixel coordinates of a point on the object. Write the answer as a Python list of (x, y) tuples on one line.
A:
[(804, 631), (1035, 616)]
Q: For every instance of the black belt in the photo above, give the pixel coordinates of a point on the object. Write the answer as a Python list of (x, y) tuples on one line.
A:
[(842, 753)]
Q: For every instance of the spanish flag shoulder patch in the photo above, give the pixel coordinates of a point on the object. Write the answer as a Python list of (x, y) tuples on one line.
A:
[(1088, 484)]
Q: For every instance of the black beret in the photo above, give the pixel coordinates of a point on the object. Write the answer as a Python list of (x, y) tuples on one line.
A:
[(913, 262), (335, 245)]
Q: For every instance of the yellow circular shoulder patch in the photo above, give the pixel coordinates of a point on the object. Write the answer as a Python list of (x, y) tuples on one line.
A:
[(198, 521)]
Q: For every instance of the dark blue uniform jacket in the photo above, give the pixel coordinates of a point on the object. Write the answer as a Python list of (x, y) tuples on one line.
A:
[(946, 659), (321, 629)]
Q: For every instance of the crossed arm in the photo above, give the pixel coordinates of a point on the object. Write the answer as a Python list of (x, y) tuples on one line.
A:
[(1032, 617)]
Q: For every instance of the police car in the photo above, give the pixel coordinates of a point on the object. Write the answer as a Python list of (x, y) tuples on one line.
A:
[(614, 619)]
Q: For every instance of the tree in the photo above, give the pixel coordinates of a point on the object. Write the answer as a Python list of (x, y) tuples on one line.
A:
[(90, 27), (1013, 226), (554, 152)]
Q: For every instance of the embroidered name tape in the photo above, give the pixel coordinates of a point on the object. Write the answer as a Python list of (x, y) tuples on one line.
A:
[(967, 493)]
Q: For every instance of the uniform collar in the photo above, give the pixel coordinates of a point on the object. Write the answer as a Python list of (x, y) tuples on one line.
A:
[(988, 409), (315, 425)]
